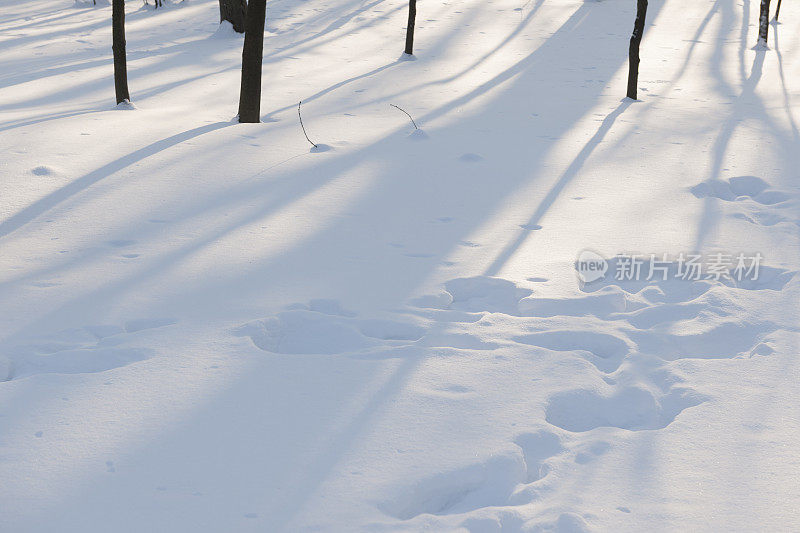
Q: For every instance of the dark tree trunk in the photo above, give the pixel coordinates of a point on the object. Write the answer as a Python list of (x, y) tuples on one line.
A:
[(778, 11), (235, 12), (252, 54), (633, 51), (763, 23), (118, 46), (412, 18)]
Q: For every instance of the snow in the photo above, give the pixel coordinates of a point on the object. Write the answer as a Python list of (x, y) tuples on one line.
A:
[(209, 326)]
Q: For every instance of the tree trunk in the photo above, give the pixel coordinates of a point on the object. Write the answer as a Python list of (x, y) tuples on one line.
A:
[(235, 12), (763, 24), (778, 11), (412, 17), (118, 46), (633, 51), (252, 54)]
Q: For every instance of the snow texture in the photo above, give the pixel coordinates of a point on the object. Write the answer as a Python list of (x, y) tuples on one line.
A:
[(208, 326)]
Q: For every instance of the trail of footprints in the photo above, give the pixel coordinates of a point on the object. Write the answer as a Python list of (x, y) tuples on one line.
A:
[(628, 331)]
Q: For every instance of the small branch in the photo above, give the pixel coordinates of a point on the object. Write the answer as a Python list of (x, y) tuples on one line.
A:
[(407, 113), (302, 126)]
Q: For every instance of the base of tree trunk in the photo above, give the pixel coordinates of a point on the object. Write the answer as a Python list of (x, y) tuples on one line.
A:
[(126, 105), (118, 48), (235, 12), (412, 18), (252, 53), (633, 49)]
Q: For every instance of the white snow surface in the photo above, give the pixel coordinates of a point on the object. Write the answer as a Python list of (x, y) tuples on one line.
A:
[(207, 326)]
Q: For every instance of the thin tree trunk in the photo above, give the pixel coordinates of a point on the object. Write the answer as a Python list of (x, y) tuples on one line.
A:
[(633, 51), (235, 12), (118, 46), (252, 54), (778, 11), (763, 24), (412, 17)]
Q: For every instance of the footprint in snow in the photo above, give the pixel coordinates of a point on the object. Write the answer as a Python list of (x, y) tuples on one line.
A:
[(604, 351), (503, 479), (754, 200), (486, 483), (89, 349), (739, 188), (631, 408), (324, 327), (470, 158), (43, 170)]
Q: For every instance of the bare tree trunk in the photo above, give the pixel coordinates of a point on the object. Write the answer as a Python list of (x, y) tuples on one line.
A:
[(412, 17), (633, 50), (252, 55), (778, 11), (235, 12), (763, 24), (118, 46)]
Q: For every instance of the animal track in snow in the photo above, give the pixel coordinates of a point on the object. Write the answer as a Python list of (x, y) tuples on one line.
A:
[(624, 328), (304, 332), (505, 479), (601, 304), (483, 484), (740, 188), (592, 452), (642, 292), (484, 293), (325, 327), (630, 408), (74, 351), (470, 158), (675, 318), (757, 202), (565, 523), (609, 348), (701, 338), (464, 341), (675, 289), (536, 449), (43, 170), (769, 278)]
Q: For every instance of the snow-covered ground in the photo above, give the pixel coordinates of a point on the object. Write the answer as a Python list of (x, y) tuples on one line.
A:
[(205, 326)]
